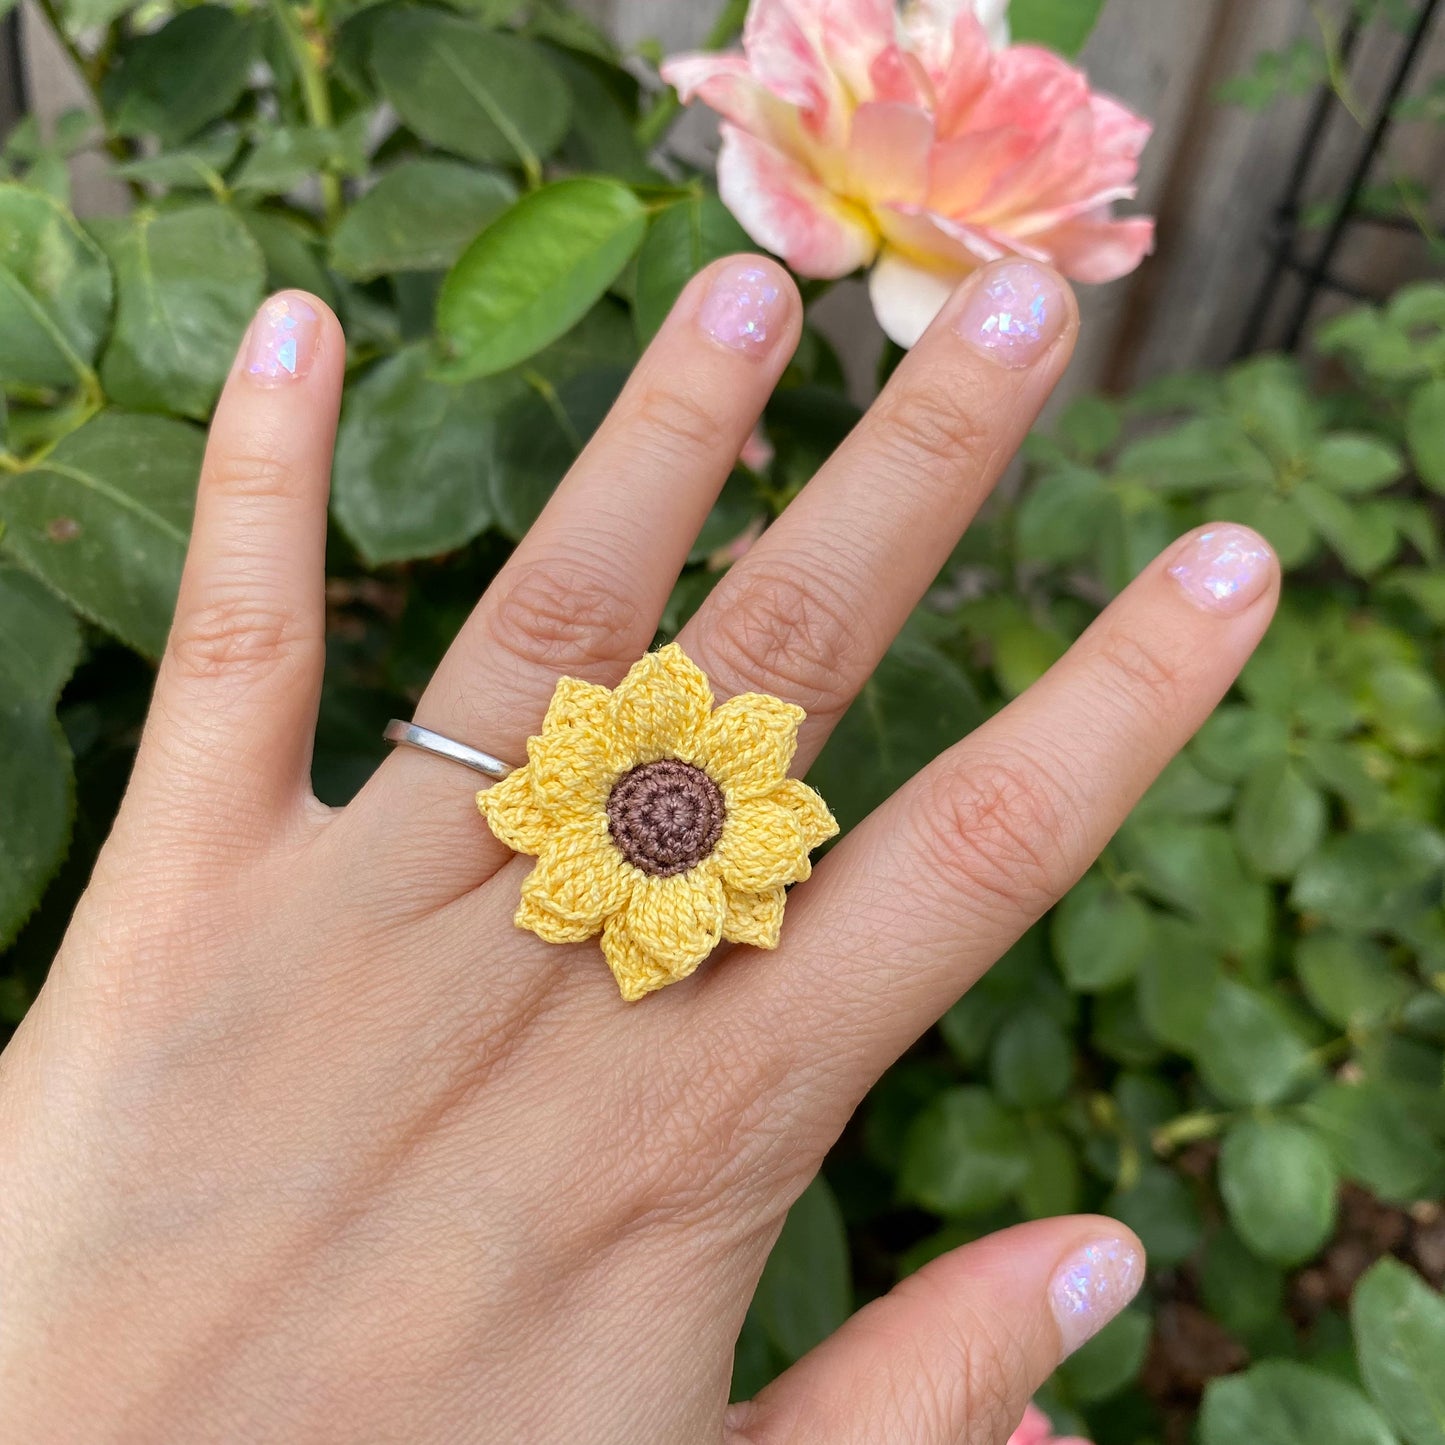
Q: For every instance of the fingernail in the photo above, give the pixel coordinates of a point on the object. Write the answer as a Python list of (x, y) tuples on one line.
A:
[(1092, 1286), (282, 341), (1224, 569), (1014, 314), (744, 310)]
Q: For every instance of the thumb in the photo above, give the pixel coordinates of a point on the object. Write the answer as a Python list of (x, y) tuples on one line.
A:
[(952, 1354)]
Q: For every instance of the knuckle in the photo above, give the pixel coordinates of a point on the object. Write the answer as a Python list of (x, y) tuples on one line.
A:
[(1149, 678), (923, 428), (237, 636), (262, 471), (1003, 829), (564, 617), (788, 633), (678, 424)]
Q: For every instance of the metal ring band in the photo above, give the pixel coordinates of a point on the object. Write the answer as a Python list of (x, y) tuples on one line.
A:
[(409, 735)]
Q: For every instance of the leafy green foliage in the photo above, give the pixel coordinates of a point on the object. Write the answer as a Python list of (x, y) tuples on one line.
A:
[(1230, 1036)]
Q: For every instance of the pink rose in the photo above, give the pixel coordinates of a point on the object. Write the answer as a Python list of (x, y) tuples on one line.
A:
[(917, 142), (1036, 1429)]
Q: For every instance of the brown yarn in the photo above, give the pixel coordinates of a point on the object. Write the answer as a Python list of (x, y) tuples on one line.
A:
[(666, 817)]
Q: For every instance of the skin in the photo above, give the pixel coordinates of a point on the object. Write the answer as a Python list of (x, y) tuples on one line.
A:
[(304, 1141)]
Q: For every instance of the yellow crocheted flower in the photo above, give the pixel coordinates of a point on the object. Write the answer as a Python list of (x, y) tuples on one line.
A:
[(658, 820)]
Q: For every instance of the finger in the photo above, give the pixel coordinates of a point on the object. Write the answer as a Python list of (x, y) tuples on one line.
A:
[(817, 601), (953, 1354), (583, 592), (953, 869), (230, 733)]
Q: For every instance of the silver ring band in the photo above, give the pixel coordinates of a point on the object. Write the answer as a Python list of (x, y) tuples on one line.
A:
[(409, 735)]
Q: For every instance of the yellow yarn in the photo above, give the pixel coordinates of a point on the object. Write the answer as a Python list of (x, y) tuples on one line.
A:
[(658, 929)]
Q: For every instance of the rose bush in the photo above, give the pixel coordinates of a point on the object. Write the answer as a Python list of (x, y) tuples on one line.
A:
[(917, 143), (1231, 1035)]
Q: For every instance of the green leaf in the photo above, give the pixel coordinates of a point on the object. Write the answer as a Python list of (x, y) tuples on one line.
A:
[(1237, 741), (535, 271), (285, 157), (917, 703), (680, 242), (420, 216), (414, 458), (1161, 1211), (1196, 868), (806, 1290), (1399, 1325), (1177, 983), (1243, 1291), (181, 77), (1247, 1050), (1280, 819), (187, 283), (470, 90), (1425, 432), (1062, 25), (1354, 463), (1054, 1184), (542, 437), (1101, 935), (291, 250), (1111, 1360), (1279, 1186), (39, 647), (1032, 1061), (1059, 516), (1349, 979), (55, 292), (194, 167), (1408, 708), (1362, 535), (964, 1154), (104, 520), (1376, 1137), (1282, 1403), (1362, 880)]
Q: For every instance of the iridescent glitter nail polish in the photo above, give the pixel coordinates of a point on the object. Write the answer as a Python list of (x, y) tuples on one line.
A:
[(282, 341), (1014, 314), (744, 309), (1092, 1286), (1224, 569)]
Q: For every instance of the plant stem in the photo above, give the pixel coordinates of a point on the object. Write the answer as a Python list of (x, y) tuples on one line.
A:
[(1188, 1129), (308, 52), (654, 125)]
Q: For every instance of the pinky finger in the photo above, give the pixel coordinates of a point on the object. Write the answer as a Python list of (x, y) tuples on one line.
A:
[(953, 1354)]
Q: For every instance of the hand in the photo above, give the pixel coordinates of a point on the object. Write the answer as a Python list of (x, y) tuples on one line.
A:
[(304, 1141)]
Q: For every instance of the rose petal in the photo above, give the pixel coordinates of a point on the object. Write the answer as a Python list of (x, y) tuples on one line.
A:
[(907, 295), (888, 154), (786, 58), (726, 85), (1098, 250), (787, 211)]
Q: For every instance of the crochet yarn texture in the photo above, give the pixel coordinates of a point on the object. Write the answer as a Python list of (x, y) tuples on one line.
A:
[(659, 821)]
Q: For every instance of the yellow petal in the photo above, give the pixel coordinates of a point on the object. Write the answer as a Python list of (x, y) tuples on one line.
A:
[(817, 823), (679, 919), (761, 846), (637, 970), (754, 918), (659, 709), (570, 761), (537, 918), (580, 876), (748, 744), (513, 814)]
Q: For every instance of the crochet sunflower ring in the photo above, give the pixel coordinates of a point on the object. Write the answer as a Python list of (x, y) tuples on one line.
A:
[(661, 822)]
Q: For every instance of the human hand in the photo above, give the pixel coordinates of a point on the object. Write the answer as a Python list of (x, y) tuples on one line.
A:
[(304, 1140)]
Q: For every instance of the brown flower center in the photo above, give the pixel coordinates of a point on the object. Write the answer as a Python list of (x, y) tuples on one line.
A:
[(666, 817)]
